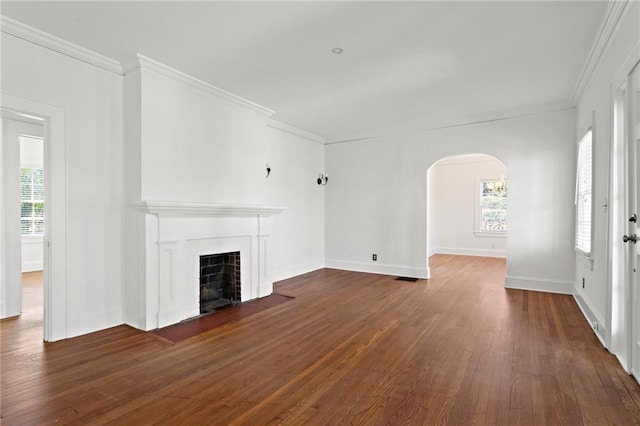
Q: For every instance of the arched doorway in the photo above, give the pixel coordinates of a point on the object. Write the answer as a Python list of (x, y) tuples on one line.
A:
[(467, 206)]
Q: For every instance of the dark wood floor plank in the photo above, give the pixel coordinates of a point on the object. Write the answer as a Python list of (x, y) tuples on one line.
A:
[(351, 348)]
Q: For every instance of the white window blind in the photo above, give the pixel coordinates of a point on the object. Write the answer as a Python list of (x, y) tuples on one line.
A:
[(31, 201), (31, 186), (583, 195)]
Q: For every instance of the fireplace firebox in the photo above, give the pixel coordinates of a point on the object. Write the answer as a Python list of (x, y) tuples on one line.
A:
[(219, 280)]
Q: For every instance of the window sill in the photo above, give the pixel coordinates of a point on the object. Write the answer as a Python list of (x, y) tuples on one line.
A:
[(490, 234), (584, 259)]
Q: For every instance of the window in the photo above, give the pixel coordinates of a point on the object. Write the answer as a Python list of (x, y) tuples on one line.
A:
[(493, 206), (32, 201), (583, 195), (31, 186)]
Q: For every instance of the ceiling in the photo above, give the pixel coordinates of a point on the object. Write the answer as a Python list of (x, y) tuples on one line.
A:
[(406, 66)]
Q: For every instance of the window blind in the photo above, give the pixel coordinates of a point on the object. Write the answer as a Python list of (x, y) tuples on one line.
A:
[(31, 186), (583, 194)]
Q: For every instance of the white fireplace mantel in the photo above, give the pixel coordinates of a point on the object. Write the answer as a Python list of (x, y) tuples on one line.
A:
[(165, 208), (173, 236)]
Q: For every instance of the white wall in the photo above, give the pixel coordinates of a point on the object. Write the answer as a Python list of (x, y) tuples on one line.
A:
[(432, 229), (196, 147), (376, 199), (188, 142), (183, 144), (32, 254), (92, 100), (597, 100), (199, 147), (454, 186), (298, 232), (10, 259)]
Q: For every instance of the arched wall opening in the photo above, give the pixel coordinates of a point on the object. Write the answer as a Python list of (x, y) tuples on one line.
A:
[(467, 206), (377, 202)]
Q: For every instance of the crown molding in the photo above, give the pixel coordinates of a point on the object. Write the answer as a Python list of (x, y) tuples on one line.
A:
[(147, 64), (296, 131), (56, 44), (606, 31), (182, 209), (530, 112)]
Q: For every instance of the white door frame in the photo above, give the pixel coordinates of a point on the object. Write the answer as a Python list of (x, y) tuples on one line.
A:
[(619, 318), (633, 228), (55, 238)]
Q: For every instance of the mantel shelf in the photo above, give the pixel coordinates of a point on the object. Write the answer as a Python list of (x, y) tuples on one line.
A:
[(164, 208)]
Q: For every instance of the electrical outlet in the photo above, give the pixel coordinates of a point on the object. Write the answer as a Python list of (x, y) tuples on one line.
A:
[(582, 282), (374, 257), (596, 326)]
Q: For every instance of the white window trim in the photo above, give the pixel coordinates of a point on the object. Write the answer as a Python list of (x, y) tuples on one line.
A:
[(478, 232), (490, 234), (582, 256)]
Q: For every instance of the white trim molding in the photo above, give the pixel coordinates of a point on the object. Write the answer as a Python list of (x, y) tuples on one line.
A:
[(46, 40), (164, 208), (606, 32), (147, 64), (635, 373), (545, 285), (595, 321), (470, 252), (97, 321), (375, 268), (296, 131), (295, 270)]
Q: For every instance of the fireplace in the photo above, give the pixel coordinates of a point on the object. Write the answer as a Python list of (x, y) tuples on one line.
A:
[(167, 242), (219, 281)]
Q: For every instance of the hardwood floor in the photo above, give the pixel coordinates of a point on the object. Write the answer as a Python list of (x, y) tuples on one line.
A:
[(351, 348)]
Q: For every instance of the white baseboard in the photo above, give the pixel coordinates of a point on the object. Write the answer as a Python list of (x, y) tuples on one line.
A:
[(590, 314), (169, 317), (94, 322), (545, 285), (633, 372), (470, 252), (379, 268), (294, 271), (5, 311)]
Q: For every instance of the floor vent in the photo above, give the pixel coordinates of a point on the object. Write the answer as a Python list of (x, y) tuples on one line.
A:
[(413, 280)]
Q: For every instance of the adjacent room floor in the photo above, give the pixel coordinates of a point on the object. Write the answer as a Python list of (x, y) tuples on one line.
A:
[(351, 348)]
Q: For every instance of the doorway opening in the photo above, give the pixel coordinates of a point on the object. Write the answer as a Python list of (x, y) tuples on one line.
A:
[(23, 219), (467, 206)]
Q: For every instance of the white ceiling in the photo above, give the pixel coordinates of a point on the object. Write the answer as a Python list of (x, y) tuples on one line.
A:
[(406, 66)]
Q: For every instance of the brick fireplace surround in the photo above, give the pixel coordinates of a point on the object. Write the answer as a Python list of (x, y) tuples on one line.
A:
[(220, 280)]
